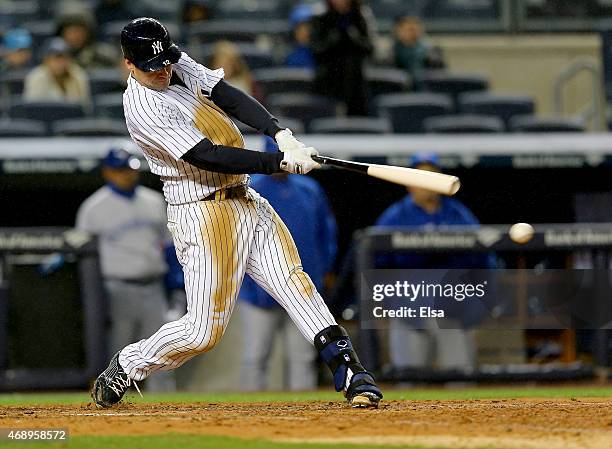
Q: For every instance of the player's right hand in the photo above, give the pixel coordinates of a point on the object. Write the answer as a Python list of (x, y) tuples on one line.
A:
[(299, 161)]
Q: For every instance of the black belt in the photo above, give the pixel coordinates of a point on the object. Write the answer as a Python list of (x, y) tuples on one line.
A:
[(227, 194)]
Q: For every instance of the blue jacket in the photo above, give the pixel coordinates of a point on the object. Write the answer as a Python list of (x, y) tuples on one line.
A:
[(301, 203), (301, 56), (452, 212)]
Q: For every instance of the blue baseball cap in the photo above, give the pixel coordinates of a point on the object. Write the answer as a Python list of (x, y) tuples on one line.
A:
[(425, 158), (300, 14), (17, 39), (120, 158)]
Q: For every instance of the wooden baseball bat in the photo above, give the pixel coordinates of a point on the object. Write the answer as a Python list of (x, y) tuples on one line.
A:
[(436, 182)]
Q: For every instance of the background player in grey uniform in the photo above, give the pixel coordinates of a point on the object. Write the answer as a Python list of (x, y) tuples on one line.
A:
[(177, 111), (130, 222)]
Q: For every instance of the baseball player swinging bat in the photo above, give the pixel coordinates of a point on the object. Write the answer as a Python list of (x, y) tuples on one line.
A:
[(436, 182)]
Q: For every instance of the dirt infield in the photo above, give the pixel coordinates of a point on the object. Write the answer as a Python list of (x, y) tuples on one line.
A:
[(505, 423)]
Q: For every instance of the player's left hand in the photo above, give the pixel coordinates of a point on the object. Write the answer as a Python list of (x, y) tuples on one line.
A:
[(299, 161), (286, 141)]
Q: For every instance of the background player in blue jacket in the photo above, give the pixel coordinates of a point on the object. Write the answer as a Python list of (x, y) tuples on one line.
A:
[(303, 206), (416, 348)]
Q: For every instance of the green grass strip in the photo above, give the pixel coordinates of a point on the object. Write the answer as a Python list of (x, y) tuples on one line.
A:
[(416, 394), (177, 441)]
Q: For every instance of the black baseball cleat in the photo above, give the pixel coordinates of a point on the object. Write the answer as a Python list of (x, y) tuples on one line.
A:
[(111, 385), (363, 391)]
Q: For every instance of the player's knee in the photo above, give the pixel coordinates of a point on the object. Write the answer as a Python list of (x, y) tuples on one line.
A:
[(203, 342)]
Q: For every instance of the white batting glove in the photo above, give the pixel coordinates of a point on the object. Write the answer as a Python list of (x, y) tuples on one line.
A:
[(299, 161), (286, 141)]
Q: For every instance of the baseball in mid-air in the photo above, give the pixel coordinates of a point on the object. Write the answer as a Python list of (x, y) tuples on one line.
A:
[(521, 232)]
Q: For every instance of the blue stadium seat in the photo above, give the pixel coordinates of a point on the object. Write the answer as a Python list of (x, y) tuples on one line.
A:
[(103, 81), (90, 127), (503, 106), (260, 9), (12, 82), (284, 80), (109, 105), (47, 112), (453, 84), (408, 111), (211, 31), (294, 125), (532, 124), (350, 125), (22, 128), (386, 80), (463, 124), (303, 107)]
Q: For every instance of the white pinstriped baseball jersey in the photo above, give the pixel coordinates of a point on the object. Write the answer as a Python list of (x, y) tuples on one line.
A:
[(166, 124)]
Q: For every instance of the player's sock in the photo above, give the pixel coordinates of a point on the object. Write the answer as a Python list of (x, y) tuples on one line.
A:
[(336, 349)]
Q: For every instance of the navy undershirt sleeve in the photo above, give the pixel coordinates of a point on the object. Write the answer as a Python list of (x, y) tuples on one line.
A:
[(245, 108), (232, 160)]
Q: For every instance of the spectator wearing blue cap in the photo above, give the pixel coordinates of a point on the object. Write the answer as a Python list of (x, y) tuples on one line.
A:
[(416, 348), (301, 54), (58, 78), (130, 223), (302, 204), (16, 50)]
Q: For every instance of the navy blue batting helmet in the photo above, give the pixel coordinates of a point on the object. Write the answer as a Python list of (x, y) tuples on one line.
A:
[(146, 43)]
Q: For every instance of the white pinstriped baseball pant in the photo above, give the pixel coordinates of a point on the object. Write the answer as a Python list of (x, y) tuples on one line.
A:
[(216, 243)]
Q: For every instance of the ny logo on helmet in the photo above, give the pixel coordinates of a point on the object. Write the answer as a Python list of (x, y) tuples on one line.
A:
[(157, 47)]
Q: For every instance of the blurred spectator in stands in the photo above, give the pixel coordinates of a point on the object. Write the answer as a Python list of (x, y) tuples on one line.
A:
[(341, 42), (113, 11), (411, 51), (227, 55), (302, 204), (58, 78), (301, 54), (78, 32), (16, 50), (410, 347), (194, 11), (133, 241)]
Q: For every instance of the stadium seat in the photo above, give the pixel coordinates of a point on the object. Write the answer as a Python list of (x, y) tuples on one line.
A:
[(453, 84), (383, 81), (350, 125), (532, 124), (260, 9), (109, 105), (303, 107), (111, 32), (103, 81), (17, 12), (294, 125), (463, 124), (22, 128), (255, 57), (503, 106), (41, 31), (90, 127), (284, 80), (211, 31), (47, 112), (408, 111), (12, 82)]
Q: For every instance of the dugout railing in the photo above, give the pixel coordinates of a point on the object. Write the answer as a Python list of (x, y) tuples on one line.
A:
[(564, 240)]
